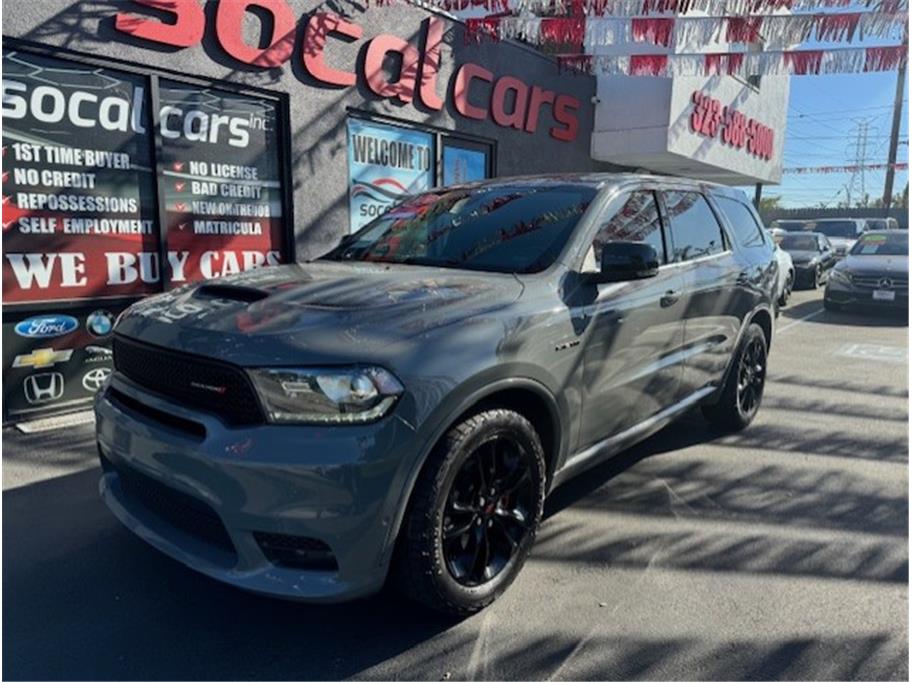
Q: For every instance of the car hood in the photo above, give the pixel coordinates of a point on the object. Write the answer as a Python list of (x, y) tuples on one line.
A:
[(315, 312), (876, 265)]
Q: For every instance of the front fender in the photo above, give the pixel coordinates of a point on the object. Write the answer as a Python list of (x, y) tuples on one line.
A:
[(458, 402)]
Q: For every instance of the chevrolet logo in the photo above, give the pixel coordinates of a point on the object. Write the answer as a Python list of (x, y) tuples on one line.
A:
[(42, 357)]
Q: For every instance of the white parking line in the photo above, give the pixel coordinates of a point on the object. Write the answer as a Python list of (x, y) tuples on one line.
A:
[(799, 321)]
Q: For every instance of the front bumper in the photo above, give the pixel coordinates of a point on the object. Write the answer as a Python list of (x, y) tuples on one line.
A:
[(844, 294), (341, 487), (805, 273)]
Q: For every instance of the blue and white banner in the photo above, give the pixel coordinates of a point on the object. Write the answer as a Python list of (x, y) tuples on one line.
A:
[(385, 163)]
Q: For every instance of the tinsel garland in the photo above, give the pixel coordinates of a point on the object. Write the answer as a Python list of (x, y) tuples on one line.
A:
[(633, 8), (742, 64), (687, 34), (807, 170)]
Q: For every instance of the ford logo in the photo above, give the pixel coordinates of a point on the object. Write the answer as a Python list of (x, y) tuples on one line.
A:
[(47, 326)]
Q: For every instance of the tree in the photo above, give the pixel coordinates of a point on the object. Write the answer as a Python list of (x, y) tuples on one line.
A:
[(770, 203)]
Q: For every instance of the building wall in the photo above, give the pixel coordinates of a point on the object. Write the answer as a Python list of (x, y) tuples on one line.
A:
[(318, 111), (645, 122)]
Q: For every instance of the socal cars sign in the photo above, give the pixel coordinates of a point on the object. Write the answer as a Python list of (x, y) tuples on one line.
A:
[(418, 71)]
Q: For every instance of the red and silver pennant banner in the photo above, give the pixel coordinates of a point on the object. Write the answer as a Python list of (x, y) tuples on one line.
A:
[(689, 34), (741, 64), (634, 8), (808, 170)]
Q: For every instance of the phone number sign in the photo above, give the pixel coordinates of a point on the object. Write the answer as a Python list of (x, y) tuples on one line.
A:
[(711, 119)]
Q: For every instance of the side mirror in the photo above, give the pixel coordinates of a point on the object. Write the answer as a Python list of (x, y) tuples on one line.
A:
[(626, 261)]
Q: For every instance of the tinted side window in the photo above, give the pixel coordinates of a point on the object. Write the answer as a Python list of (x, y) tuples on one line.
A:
[(694, 228), (745, 226), (637, 221)]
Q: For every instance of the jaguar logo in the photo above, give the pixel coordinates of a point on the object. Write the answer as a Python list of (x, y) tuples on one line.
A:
[(885, 283)]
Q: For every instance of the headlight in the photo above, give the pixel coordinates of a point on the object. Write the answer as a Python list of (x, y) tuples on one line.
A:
[(354, 395), (841, 276)]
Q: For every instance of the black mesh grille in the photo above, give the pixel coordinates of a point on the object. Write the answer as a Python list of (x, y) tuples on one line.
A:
[(295, 551), (190, 379), (186, 513)]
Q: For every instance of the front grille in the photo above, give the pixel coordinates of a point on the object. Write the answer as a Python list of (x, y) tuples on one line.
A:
[(295, 551), (873, 281), (191, 380), (185, 513)]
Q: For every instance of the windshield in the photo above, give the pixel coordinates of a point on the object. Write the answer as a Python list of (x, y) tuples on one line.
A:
[(502, 228), (893, 244), (842, 229), (798, 242), (876, 224)]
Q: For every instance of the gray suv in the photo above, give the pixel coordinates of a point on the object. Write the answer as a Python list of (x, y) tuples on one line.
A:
[(401, 406)]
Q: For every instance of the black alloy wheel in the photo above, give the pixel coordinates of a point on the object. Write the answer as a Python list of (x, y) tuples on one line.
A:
[(739, 400), (751, 377), (488, 513), (473, 515)]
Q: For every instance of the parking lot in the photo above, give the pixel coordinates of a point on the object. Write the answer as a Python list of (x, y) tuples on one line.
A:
[(779, 552)]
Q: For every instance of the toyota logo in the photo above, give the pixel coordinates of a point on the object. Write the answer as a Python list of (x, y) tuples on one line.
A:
[(885, 283), (95, 378)]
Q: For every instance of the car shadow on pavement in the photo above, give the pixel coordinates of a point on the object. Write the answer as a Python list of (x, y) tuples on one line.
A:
[(85, 599)]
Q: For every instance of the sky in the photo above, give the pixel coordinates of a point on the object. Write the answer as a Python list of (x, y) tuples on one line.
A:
[(824, 116)]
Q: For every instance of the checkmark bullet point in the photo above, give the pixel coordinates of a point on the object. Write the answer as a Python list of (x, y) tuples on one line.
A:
[(179, 186), (178, 165)]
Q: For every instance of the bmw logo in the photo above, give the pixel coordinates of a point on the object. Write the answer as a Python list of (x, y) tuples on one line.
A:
[(100, 323)]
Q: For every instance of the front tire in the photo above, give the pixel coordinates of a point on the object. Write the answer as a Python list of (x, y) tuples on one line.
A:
[(740, 399), (816, 277), (473, 515)]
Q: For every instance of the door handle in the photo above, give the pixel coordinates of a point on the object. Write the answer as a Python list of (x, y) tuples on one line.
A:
[(669, 298)]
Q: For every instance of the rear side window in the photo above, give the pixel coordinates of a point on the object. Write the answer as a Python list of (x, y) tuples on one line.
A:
[(695, 231), (637, 221), (745, 226)]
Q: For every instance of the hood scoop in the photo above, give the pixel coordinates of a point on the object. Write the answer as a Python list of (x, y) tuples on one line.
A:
[(231, 292)]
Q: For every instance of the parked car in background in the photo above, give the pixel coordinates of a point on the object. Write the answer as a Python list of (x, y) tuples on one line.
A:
[(786, 279), (880, 224), (812, 256), (403, 404), (841, 232), (789, 225), (874, 274)]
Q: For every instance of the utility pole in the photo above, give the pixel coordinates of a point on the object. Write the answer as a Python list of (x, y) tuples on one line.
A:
[(894, 134), (861, 152), (758, 194)]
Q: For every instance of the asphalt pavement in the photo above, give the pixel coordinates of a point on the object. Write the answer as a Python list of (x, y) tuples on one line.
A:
[(780, 552)]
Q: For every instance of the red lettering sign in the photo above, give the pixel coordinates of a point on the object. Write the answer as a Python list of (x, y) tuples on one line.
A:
[(418, 70), (709, 117)]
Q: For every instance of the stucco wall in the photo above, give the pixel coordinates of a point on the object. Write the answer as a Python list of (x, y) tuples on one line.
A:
[(318, 148)]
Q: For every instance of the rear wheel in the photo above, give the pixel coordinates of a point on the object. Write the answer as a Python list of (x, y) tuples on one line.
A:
[(743, 391), (473, 515)]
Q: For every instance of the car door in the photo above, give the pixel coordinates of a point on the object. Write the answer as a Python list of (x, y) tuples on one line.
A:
[(631, 349), (716, 287)]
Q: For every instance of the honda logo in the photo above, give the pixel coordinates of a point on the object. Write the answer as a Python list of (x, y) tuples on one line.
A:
[(43, 388)]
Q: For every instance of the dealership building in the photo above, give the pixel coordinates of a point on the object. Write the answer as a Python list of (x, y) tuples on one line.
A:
[(150, 144)]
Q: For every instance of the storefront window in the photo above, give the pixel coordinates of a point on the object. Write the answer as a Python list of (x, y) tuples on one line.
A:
[(100, 207), (463, 162), (78, 186), (385, 163), (221, 183)]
